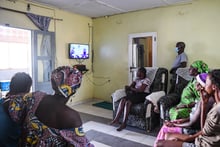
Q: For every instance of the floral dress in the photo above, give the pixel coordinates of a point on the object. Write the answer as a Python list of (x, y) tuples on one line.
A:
[(35, 133)]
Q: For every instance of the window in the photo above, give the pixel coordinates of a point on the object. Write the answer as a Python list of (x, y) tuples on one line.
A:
[(15, 48)]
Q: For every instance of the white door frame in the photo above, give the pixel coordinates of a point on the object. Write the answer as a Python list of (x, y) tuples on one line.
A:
[(130, 44)]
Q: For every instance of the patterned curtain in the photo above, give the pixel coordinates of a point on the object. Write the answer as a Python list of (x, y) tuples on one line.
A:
[(42, 22)]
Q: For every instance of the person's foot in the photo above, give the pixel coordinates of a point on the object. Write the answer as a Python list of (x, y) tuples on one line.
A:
[(121, 127), (114, 122), (156, 110)]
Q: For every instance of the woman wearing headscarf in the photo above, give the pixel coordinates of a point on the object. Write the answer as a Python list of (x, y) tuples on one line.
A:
[(189, 125), (189, 94), (210, 133), (48, 121), (10, 131)]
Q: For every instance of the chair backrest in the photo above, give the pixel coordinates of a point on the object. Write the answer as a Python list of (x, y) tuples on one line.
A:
[(160, 80), (159, 76), (182, 79)]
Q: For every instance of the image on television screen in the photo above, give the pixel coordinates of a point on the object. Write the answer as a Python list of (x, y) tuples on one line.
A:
[(78, 51)]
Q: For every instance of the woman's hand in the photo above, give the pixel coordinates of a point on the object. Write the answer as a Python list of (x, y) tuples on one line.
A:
[(127, 87), (181, 106), (178, 121), (186, 105), (204, 96), (174, 122), (133, 89), (177, 137)]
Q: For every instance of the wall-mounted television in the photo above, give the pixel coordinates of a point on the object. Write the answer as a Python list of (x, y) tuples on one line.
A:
[(78, 51)]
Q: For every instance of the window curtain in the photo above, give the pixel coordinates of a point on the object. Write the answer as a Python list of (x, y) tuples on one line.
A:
[(45, 50), (42, 22)]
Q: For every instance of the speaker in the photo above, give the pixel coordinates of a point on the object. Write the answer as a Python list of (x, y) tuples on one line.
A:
[(81, 67)]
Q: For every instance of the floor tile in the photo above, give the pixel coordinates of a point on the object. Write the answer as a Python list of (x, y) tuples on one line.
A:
[(98, 144), (109, 129), (126, 134)]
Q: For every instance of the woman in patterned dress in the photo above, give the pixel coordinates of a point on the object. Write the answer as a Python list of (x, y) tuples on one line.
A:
[(48, 120)]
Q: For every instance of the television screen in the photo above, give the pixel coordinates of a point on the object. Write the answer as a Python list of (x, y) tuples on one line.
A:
[(78, 51)]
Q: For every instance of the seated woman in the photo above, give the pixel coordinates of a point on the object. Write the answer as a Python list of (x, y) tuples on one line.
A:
[(189, 125), (210, 133), (20, 84), (189, 95), (135, 93), (48, 120)]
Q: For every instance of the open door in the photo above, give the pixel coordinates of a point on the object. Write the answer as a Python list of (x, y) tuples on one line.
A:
[(142, 52), (43, 60)]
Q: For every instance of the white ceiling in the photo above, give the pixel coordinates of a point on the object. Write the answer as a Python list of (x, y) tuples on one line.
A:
[(99, 8)]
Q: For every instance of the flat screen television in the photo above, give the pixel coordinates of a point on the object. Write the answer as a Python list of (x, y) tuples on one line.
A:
[(78, 51)]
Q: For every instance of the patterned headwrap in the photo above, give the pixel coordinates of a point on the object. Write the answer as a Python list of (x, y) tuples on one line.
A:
[(201, 66), (66, 80)]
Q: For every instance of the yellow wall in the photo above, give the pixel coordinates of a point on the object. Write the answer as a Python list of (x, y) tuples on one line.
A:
[(197, 24), (73, 28)]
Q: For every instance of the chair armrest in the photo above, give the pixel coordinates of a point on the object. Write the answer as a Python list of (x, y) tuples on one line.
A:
[(117, 95), (169, 100), (155, 96), (152, 99), (166, 102)]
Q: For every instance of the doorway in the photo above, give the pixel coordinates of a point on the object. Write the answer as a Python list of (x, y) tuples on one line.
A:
[(142, 52)]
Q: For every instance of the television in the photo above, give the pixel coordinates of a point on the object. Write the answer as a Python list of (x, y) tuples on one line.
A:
[(78, 51)]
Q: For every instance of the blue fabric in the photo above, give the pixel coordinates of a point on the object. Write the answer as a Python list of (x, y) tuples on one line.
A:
[(42, 22), (9, 130)]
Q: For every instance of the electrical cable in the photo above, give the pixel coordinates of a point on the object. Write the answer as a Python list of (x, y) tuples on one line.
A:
[(100, 84)]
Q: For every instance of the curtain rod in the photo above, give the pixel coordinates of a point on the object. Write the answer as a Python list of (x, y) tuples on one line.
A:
[(26, 12)]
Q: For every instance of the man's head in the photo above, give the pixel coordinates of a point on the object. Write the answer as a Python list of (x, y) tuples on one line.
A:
[(180, 46)]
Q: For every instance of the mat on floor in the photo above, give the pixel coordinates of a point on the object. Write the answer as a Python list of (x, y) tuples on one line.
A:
[(104, 104)]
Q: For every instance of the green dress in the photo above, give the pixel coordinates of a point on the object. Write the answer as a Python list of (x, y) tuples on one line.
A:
[(189, 95)]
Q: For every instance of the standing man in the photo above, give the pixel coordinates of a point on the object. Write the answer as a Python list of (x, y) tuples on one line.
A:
[(180, 61)]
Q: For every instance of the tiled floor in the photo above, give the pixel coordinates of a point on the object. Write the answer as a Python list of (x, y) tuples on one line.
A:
[(108, 129), (88, 108)]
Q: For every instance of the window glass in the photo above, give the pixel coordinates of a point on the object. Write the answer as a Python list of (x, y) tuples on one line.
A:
[(15, 48)]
